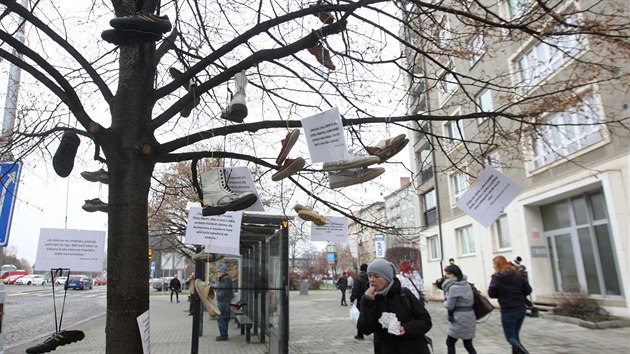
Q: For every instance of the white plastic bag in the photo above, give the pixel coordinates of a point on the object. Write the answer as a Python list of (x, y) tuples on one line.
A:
[(354, 315)]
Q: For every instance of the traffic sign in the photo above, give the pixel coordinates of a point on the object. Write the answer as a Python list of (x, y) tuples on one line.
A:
[(9, 180)]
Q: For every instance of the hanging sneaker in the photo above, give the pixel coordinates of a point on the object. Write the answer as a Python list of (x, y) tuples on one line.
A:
[(326, 17), (287, 144), (142, 22), (354, 161), (308, 214), (291, 166), (56, 340), (350, 177), (63, 160), (388, 148), (95, 204), (96, 176), (320, 52), (122, 37)]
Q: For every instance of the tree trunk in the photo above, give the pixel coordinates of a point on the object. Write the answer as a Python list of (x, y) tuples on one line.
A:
[(129, 146)]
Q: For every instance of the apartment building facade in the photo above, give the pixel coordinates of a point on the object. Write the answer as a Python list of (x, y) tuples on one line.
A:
[(570, 224)]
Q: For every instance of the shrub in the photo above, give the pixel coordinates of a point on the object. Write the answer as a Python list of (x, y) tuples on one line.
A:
[(580, 305)]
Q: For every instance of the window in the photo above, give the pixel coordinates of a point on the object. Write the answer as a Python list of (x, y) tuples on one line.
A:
[(466, 240), (453, 131), (429, 207), (459, 185), (568, 132), (434, 248), (493, 158), (501, 233), (444, 35), (516, 7), (476, 47), (484, 104), (544, 58), (446, 87)]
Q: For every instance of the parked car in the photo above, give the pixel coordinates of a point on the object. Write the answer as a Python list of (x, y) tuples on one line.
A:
[(11, 280), (60, 280), (162, 284), (100, 281), (79, 281), (7, 273), (31, 279)]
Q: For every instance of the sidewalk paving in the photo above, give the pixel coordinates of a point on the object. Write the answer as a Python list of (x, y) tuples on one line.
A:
[(319, 325)]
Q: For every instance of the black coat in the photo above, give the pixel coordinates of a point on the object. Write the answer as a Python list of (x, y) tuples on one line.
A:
[(342, 283), (411, 313), (361, 284), (511, 289)]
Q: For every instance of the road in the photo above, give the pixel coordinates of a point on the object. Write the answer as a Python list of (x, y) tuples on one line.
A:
[(30, 311)]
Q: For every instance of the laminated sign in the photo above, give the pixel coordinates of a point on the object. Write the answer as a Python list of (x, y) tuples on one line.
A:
[(221, 233), (334, 230), (325, 136), (487, 199)]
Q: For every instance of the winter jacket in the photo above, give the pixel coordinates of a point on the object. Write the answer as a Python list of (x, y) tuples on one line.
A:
[(224, 291), (342, 283), (413, 282), (460, 300), (361, 284), (175, 284), (511, 289), (410, 312)]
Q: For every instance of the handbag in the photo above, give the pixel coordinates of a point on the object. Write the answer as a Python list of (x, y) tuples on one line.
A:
[(482, 306)]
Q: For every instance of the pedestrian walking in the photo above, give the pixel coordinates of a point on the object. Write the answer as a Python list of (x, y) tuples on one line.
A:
[(410, 279), (342, 284), (459, 304), (359, 287), (175, 285), (224, 296), (511, 289), (406, 319)]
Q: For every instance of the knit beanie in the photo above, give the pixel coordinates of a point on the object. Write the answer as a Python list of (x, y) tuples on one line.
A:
[(221, 267), (383, 268), (453, 269), (363, 267)]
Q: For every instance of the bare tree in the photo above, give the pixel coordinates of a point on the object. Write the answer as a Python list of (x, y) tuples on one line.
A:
[(122, 99)]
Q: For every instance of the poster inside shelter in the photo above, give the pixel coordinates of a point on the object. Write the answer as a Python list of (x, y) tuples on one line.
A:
[(486, 200), (325, 136), (77, 250), (218, 233), (334, 230)]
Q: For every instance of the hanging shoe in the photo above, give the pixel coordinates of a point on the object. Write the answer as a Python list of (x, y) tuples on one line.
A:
[(122, 37), (354, 161), (63, 160), (318, 51), (308, 214), (287, 144), (210, 210), (388, 148), (350, 177), (95, 204), (216, 192), (142, 22), (96, 176), (291, 166), (188, 86), (56, 340), (237, 108), (206, 294), (326, 17)]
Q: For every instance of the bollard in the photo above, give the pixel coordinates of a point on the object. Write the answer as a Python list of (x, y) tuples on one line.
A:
[(2, 296)]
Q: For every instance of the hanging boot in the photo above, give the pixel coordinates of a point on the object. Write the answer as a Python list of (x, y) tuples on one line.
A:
[(237, 109), (217, 194)]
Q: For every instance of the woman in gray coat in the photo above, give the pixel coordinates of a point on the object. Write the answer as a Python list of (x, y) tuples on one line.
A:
[(459, 303)]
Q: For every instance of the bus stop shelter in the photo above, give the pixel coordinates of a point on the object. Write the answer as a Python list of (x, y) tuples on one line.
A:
[(264, 280)]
